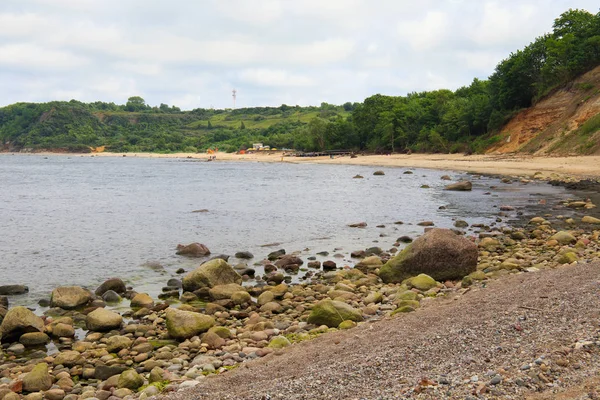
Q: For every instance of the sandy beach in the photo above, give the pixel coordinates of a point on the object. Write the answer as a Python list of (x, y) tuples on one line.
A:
[(562, 167)]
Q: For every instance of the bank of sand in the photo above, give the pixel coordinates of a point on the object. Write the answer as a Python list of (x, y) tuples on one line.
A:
[(580, 167)]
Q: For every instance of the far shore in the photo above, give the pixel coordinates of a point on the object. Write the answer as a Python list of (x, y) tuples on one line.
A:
[(579, 167)]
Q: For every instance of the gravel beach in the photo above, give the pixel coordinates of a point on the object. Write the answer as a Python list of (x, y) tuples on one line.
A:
[(521, 335)]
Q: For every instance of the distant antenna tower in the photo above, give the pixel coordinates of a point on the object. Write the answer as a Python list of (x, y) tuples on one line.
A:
[(234, 94)]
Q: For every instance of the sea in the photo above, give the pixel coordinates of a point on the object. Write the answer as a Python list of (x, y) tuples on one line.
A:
[(79, 220)]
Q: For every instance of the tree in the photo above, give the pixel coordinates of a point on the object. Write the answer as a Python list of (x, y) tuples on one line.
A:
[(135, 103)]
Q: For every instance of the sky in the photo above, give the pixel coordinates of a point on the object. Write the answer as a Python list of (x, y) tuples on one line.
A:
[(194, 53)]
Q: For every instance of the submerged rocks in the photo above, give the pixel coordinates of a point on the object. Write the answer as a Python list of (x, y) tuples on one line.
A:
[(185, 324), (10, 290), (332, 313), (210, 274), (358, 225), (462, 186), (439, 253), (193, 250), (19, 320), (102, 319), (69, 297)]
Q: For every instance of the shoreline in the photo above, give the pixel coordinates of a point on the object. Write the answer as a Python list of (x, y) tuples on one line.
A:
[(563, 168)]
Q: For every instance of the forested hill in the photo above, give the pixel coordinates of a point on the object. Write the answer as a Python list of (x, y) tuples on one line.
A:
[(473, 118)]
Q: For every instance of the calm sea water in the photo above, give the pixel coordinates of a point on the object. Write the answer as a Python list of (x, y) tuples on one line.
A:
[(80, 220)]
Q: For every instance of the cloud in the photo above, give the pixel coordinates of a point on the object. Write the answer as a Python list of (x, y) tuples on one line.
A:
[(192, 54), (272, 77)]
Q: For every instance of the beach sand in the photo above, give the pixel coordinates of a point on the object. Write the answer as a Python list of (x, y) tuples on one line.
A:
[(521, 165)]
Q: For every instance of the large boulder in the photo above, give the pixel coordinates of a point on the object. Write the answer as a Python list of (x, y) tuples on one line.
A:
[(193, 250), (212, 273), (115, 284), (439, 253), (69, 297), (19, 320), (38, 379), (463, 186), (332, 313), (185, 324), (102, 319), (9, 290)]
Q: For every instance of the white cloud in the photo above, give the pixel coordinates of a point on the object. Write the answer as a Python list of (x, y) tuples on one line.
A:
[(32, 57), (427, 33), (273, 77)]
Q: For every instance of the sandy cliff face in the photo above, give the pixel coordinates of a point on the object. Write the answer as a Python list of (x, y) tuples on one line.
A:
[(555, 125)]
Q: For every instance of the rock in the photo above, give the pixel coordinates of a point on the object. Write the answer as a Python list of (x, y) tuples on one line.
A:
[(358, 225), (460, 186), (4, 302), (102, 319), (329, 265), (285, 261), (590, 220), (332, 313), (265, 297), (274, 255), (11, 290), (404, 239), (130, 379), (568, 258), (213, 340), (19, 320), (117, 342), (246, 255), (69, 297), (426, 223), (63, 330), (241, 297), (211, 274), (271, 306), (185, 324), (357, 176), (115, 284), (69, 358), (221, 292), (38, 379), (193, 250), (421, 282), (439, 253), (141, 300), (54, 394), (34, 339), (445, 178), (378, 173), (103, 372), (564, 238), (373, 297), (279, 342), (110, 296), (461, 224)]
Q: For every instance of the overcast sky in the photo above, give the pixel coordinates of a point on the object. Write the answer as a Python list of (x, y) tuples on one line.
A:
[(193, 53)]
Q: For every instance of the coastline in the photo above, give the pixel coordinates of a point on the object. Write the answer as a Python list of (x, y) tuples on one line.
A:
[(563, 168)]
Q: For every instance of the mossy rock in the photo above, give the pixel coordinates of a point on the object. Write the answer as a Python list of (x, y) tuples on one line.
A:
[(130, 379), (564, 237), (38, 379), (222, 331), (568, 258), (421, 282), (478, 275), (210, 274), (407, 295), (401, 310), (347, 325), (279, 342), (185, 324), (332, 313), (409, 303), (439, 253)]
